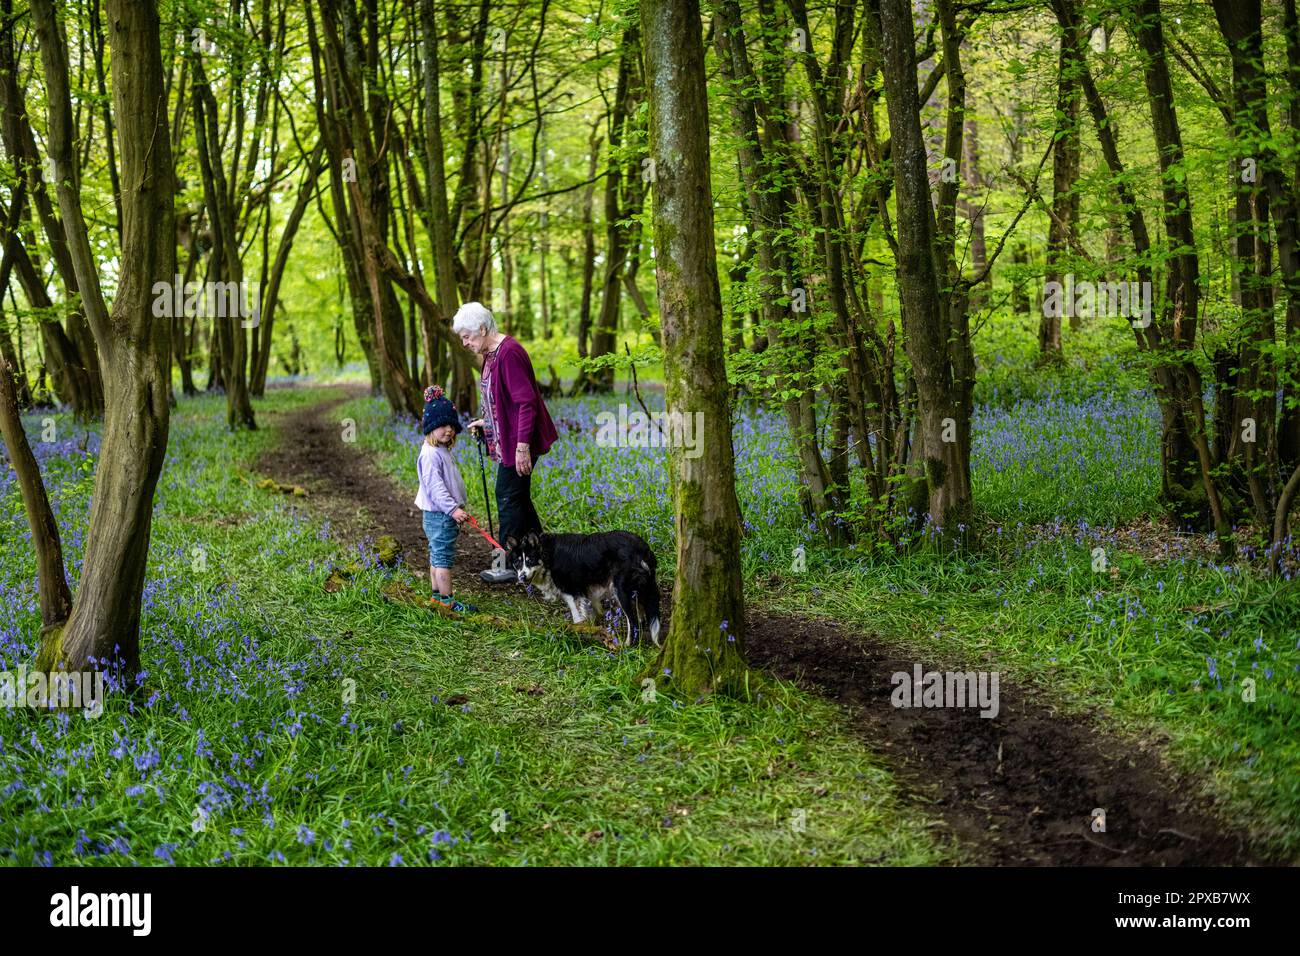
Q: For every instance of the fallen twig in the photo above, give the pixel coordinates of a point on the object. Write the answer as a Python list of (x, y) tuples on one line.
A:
[(1104, 846)]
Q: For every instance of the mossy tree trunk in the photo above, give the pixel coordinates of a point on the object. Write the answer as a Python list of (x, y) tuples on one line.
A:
[(704, 649), (940, 455), (134, 345), (350, 60)]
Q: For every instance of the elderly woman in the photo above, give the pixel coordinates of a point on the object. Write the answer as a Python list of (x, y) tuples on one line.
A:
[(518, 427)]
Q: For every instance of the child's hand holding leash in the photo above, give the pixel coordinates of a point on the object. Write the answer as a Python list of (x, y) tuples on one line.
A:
[(460, 516)]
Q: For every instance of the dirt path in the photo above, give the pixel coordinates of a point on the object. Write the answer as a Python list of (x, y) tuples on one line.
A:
[(1017, 789), (356, 497)]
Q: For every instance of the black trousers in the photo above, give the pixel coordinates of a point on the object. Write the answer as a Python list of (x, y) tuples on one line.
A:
[(515, 509)]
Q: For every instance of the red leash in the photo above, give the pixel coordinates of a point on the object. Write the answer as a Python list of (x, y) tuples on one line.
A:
[(491, 539)]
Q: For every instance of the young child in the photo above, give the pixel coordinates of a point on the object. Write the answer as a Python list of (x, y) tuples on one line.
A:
[(442, 494)]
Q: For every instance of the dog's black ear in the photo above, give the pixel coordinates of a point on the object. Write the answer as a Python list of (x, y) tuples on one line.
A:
[(511, 542), (531, 539)]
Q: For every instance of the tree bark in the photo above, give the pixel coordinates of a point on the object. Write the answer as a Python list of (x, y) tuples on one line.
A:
[(464, 389), (1286, 216), (619, 188), (704, 649), (135, 345), (588, 247), (1180, 468), (341, 171), (271, 297), (763, 205), (940, 468), (226, 263), (51, 578), (1065, 202), (1182, 272), (74, 361), (1255, 380), (363, 107)]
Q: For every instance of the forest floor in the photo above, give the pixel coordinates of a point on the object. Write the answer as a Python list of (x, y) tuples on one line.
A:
[(1016, 789)]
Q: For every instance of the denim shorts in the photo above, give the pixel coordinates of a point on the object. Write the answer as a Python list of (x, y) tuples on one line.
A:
[(441, 530)]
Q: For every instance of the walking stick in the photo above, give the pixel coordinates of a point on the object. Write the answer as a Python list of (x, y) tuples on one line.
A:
[(482, 470)]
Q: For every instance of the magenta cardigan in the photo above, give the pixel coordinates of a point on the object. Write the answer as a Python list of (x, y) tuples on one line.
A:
[(517, 404)]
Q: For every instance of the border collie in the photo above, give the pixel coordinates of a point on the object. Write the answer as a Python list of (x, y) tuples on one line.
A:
[(587, 569)]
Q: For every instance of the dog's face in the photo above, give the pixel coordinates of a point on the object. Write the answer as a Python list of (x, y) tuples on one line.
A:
[(525, 557)]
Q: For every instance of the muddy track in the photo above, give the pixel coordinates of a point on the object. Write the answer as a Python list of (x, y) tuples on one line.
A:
[(1016, 789), (359, 500)]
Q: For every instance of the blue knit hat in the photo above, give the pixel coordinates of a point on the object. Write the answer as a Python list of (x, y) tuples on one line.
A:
[(439, 411)]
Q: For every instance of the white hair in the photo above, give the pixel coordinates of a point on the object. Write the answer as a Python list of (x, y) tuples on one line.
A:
[(473, 317)]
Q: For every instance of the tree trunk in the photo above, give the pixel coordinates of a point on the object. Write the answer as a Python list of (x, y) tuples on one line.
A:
[(588, 249), (1182, 275), (618, 185), (9, 355), (363, 109), (464, 388), (825, 209), (74, 360), (226, 264), (340, 172), (135, 346), (1065, 202), (973, 207), (51, 579), (1289, 427), (759, 174), (1254, 391), (271, 296), (939, 461), (1180, 461), (704, 649)]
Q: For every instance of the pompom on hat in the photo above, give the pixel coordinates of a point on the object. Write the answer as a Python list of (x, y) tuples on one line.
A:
[(439, 411)]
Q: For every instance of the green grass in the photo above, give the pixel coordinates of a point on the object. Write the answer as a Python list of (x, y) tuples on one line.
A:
[(1157, 644), (1162, 645), (242, 642), (315, 728)]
